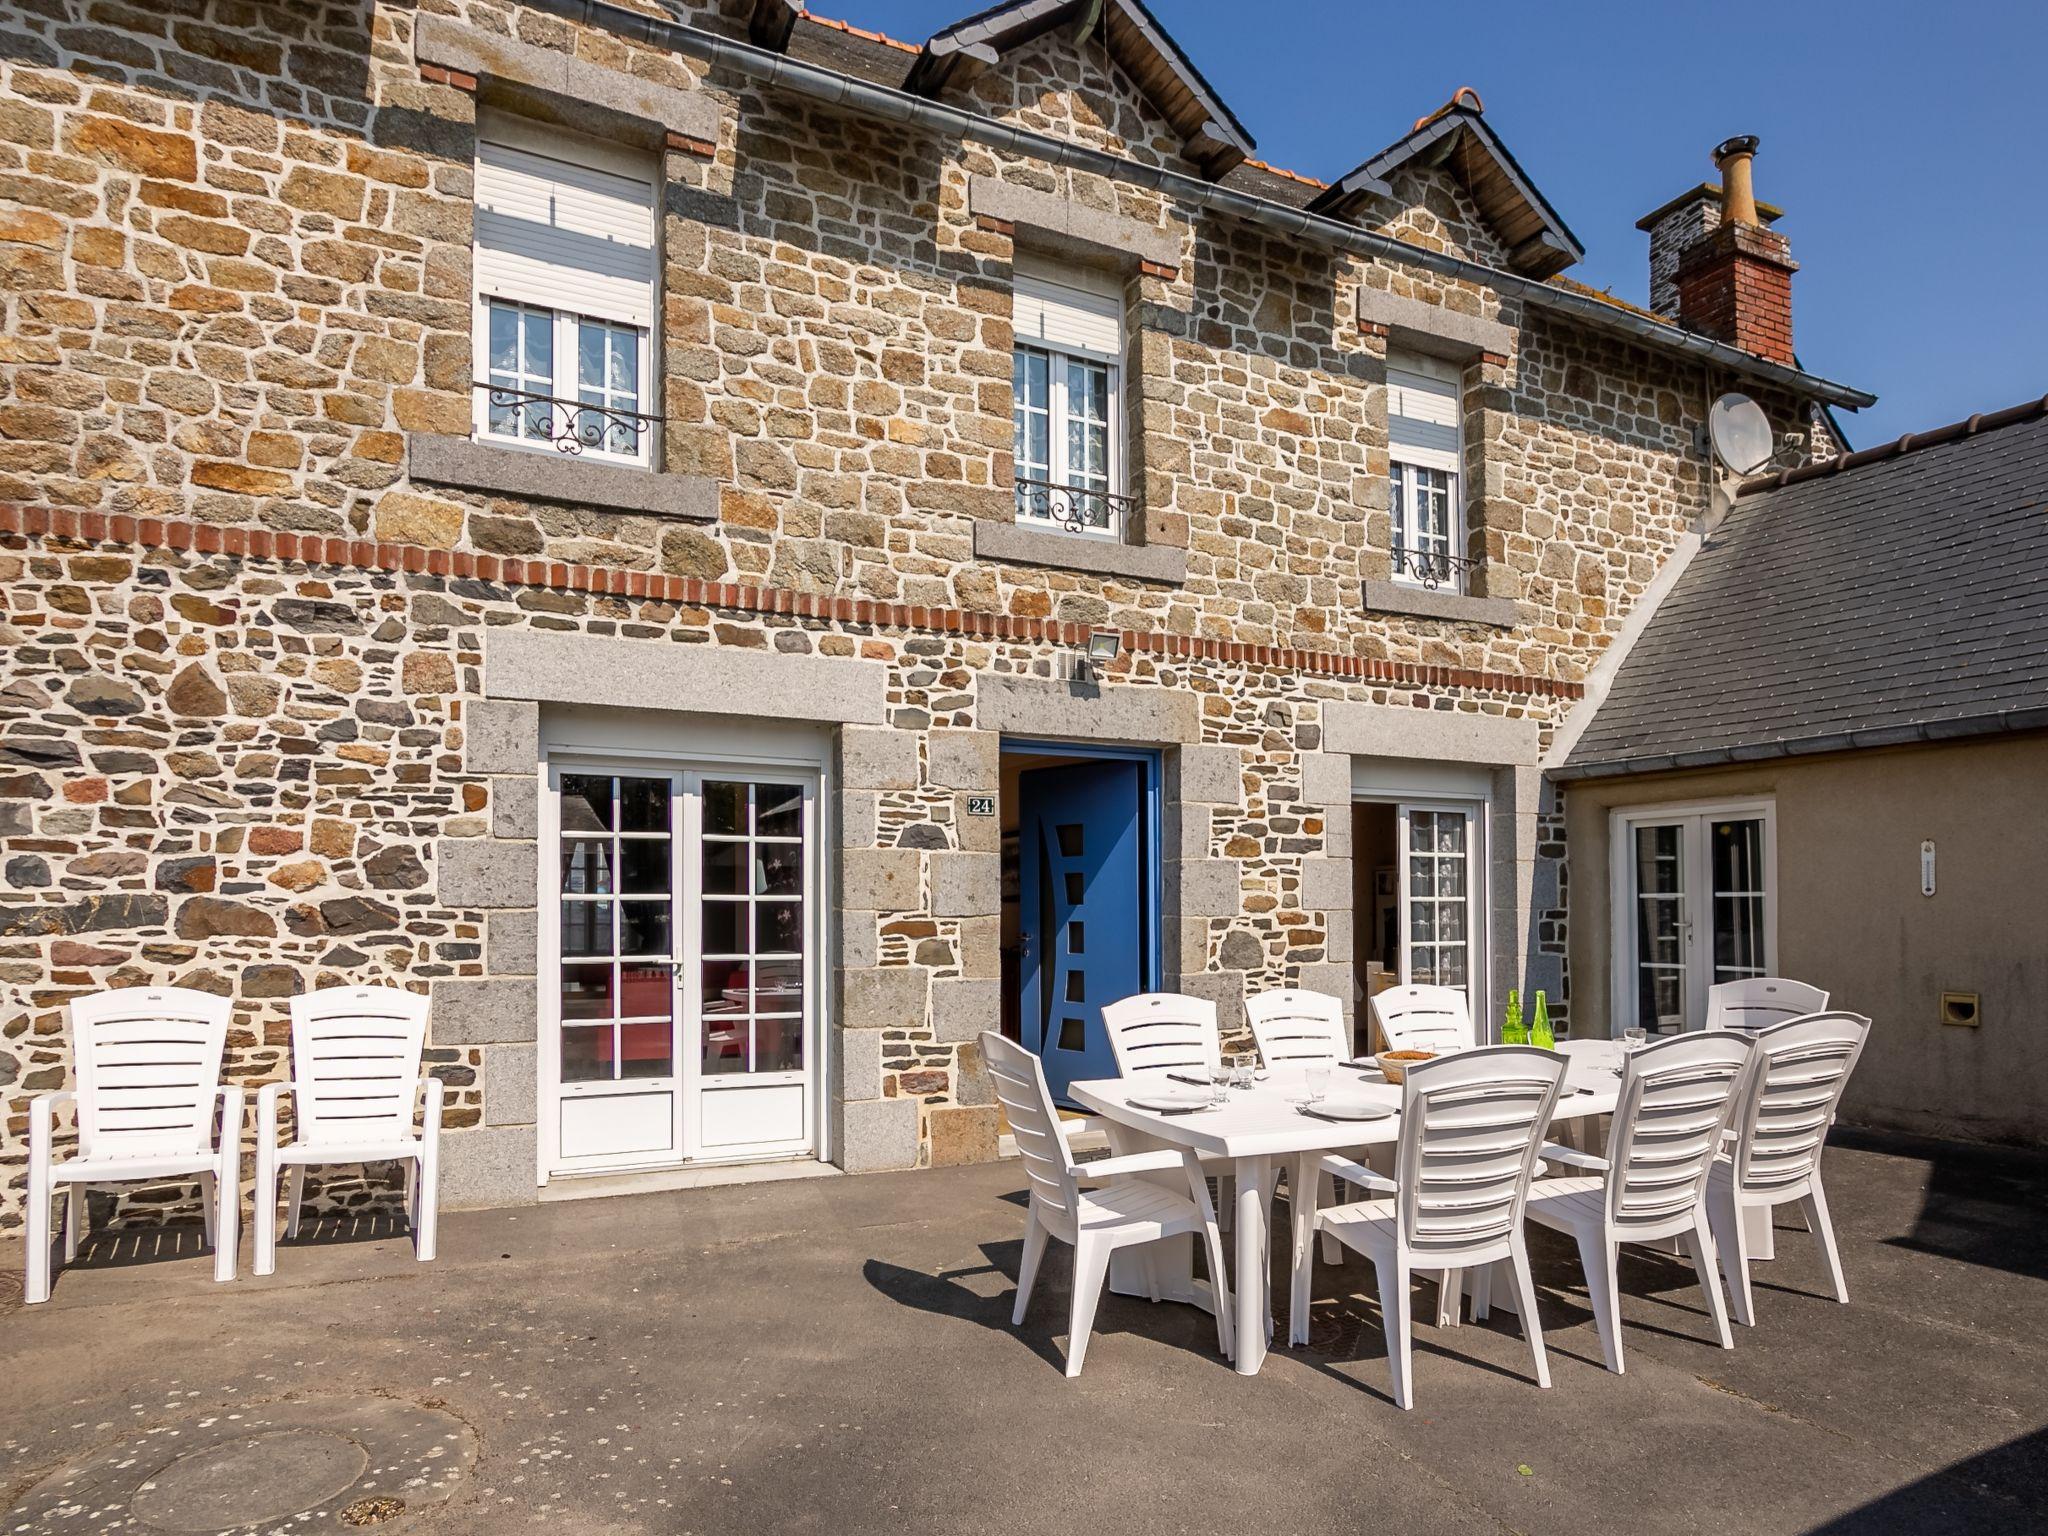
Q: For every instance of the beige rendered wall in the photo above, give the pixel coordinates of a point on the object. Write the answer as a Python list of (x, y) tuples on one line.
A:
[(1851, 917)]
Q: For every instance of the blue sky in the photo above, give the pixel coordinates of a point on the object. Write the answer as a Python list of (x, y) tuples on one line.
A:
[(1907, 143)]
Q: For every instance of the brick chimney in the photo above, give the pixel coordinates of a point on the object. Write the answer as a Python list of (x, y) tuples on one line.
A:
[(1716, 267)]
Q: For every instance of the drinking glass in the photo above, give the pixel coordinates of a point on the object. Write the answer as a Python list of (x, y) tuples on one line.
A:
[(1633, 1040), (1317, 1080), (1241, 1070)]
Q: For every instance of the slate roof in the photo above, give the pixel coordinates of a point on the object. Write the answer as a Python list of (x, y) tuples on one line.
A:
[(1903, 597)]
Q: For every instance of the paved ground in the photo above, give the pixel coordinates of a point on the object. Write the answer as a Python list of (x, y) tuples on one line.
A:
[(835, 1355)]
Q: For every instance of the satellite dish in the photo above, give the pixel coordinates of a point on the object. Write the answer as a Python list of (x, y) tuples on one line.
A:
[(1740, 433)]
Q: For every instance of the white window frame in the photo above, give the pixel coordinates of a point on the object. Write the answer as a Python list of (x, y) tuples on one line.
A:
[(567, 321), (1425, 795), (1086, 296), (1698, 895), (1409, 465)]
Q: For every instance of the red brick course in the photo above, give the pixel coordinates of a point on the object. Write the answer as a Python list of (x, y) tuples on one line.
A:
[(464, 565)]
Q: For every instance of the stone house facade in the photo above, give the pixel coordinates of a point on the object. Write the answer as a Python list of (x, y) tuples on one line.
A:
[(308, 659)]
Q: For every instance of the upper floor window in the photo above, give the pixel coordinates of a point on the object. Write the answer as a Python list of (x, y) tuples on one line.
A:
[(1424, 407), (1068, 413), (565, 292)]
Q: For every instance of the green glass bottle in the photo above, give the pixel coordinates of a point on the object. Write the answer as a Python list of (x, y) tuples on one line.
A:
[(1540, 1034), (1512, 1030)]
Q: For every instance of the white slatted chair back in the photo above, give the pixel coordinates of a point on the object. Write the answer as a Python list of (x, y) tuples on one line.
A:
[(1757, 1002), (1471, 1128), (1294, 1026), (1424, 1018), (1676, 1100), (147, 1061), (1019, 1081), (356, 1063), (1795, 1082), (1163, 1032)]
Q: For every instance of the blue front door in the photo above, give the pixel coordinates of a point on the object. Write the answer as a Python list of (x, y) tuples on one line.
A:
[(1081, 905)]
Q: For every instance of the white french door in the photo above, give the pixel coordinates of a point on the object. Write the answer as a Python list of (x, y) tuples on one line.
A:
[(750, 896), (1695, 895), (1442, 914), (678, 988)]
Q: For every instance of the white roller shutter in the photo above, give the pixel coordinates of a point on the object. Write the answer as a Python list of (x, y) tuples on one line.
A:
[(564, 235), (1423, 410), (1068, 306)]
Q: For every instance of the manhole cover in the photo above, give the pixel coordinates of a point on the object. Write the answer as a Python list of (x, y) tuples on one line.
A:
[(249, 1481), (333, 1464), (1336, 1331)]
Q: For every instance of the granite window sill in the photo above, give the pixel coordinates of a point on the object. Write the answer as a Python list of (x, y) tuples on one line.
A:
[(1393, 597), (530, 475), (1019, 545)]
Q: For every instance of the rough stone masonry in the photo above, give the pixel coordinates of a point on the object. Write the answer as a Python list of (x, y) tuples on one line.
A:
[(258, 728)]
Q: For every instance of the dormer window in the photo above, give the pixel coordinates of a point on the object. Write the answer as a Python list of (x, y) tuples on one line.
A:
[(1067, 408), (1424, 454)]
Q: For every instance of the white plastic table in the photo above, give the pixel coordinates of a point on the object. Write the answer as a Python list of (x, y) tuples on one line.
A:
[(1259, 1127)]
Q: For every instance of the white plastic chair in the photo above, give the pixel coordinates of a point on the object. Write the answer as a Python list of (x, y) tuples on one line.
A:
[(1676, 1097), (355, 1079), (1294, 1027), (1424, 1018), (1776, 1136), (1300, 1029), (1757, 1002), (147, 1062), (1128, 1212), (1158, 1033), (1471, 1128)]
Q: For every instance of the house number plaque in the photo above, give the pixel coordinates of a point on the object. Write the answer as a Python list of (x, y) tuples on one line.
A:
[(981, 805)]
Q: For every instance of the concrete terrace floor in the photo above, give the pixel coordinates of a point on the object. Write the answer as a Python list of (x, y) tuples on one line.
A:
[(836, 1355)]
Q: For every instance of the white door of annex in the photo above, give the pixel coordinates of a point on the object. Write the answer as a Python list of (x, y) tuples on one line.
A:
[(1694, 893), (678, 988)]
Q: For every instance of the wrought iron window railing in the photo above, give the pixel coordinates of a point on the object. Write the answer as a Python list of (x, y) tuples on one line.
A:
[(1075, 508), (1432, 568), (571, 426)]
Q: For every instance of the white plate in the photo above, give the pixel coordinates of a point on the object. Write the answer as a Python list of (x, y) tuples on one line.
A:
[(1170, 1101), (1350, 1109)]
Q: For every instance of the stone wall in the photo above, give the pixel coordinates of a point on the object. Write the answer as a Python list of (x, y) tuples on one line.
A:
[(243, 690)]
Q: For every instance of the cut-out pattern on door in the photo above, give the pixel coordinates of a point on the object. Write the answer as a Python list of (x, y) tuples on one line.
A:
[(1081, 905)]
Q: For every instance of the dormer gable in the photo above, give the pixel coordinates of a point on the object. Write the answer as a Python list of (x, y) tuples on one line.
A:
[(1457, 139), (1211, 136)]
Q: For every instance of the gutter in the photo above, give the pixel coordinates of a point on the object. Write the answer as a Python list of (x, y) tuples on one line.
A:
[(1926, 732), (895, 106)]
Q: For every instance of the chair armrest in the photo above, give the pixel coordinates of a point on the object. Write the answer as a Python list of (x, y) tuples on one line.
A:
[(430, 1115), (1354, 1172), (1592, 1162), (1357, 1173), (1163, 1160), (42, 1120), (231, 1098), (266, 1110)]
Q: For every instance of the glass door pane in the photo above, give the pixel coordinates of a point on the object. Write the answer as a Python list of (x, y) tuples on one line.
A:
[(1662, 928), (616, 961), (752, 860), (1437, 892), (1737, 863)]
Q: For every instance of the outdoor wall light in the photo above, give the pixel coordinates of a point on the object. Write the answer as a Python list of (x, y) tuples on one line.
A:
[(1104, 646)]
